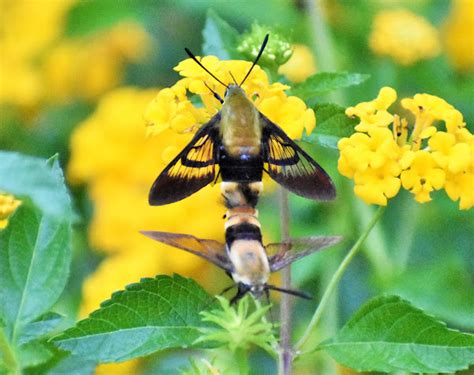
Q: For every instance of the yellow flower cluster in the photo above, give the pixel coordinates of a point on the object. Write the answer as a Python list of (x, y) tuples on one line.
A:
[(173, 109), (8, 205), (38, 64), (459, 34), (88, 66), (301, 64), (27, 28), (386, 153), (403, 36), (110, 152)]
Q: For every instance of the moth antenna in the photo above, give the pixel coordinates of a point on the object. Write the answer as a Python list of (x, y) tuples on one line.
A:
[(233, 78), (216, 95), (191, 55), (265, 41), (296, 293)]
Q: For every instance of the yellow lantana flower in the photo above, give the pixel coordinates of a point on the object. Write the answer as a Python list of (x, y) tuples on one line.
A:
[(403, 36), (173, 108), (8, 205), (459, 34), (386, 152)]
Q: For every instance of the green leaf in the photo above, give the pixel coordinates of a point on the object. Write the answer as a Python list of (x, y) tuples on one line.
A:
[(389, 334), (148, 316), (34, 265), (23, 175), (220, 39), (324, 82), (41, 327), (83, 18), (332, 125), (33, 354)]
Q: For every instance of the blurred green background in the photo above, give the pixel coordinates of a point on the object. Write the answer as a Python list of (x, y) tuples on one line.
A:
[(64, 66)]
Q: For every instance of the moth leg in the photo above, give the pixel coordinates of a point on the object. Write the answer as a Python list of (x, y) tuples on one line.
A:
[(241, 292)]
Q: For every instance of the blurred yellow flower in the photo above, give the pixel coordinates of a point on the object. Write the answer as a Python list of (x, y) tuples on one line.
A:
[(173, 109), (459, 34), (110, 152), (8, 205), (301, 64), (386, 153), (27, 28), (88, 66), (39, 64), (404, 36), (124, 368)]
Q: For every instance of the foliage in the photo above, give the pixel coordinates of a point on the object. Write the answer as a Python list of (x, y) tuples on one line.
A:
[(392, 335), (154, 314)]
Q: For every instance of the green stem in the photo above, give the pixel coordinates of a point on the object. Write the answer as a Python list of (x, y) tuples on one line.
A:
[(336, 278), (323, 45), (242, 361), (7, 355)]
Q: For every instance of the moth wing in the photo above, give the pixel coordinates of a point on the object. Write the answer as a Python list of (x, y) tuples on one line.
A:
[(191, 170), (211, 250), (290, 166), (287, 252)]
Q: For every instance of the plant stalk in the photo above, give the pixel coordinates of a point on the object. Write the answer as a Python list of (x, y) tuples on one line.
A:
[(285, 358), (336, 278), (242, 361)]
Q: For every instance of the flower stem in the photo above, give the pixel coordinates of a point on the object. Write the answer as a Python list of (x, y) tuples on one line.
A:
[(285, 357), (337, 277), (7, 355), (242, 361)]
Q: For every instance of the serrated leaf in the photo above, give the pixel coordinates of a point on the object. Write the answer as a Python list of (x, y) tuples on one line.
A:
[(23, 175), (41, 327), (219, 37), (34, 265), (389, 334), (324, 82), (148, 316), (332, 125)]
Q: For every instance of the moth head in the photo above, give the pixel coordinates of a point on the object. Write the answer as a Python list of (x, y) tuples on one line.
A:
[(233, 90)]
